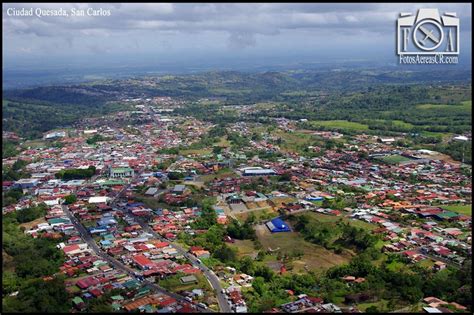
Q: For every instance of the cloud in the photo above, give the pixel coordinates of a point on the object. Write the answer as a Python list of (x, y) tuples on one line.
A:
[(243, 26), (239, 40)]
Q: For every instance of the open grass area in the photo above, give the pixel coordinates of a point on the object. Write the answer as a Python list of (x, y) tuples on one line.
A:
[(462, 209), (396, 266), (204, 151), (315, 257), (401, 123), (260, 214), (395, 159), (29, 225), (222, 173), (153, 203), (34, 144), (341, 124), (244, 248), (380, 305), (173, 283), (333, 219), (293, 141), (426, 263), (223, 142), (464, 105)]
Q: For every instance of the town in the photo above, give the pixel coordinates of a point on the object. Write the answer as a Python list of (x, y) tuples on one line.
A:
[(154, 211)]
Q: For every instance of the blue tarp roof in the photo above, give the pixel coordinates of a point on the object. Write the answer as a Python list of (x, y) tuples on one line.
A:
[(278, 225)]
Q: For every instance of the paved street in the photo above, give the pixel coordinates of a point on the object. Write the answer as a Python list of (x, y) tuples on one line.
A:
[(209, 274), (115, 263)]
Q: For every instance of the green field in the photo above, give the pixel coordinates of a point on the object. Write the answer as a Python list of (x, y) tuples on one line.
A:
[(315, 257), (341, 124), (463, 105), (395, 159), (400, 123), (332, 219), (222, 173), (204, 151), (380, 305), (244, 248), (462, 209), (293, 141)]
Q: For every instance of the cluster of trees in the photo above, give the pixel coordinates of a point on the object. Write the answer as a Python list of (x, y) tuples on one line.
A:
[(272, 156), (32, 260), (237, 140), (241, 231), (31, 114), (339, 202), (458, 150), (31, 213), (176, 175), (11, 196), (97, 138), (76, 173), (9, 148), (401, 286), (16, 171), (39, 296), (208, 216), (333, 236), (70, 199)]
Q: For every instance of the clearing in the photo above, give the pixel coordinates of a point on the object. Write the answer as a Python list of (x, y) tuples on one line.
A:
[(315, 257)]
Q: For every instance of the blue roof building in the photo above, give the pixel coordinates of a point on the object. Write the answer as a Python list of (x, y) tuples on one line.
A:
[(277, 225)]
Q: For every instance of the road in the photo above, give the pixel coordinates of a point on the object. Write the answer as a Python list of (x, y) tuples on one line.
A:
[(208, 273), (118, 265)]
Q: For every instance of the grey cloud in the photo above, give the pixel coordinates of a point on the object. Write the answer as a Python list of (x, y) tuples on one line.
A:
[(244, 25)]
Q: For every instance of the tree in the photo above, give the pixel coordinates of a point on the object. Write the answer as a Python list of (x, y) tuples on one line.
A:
[(372, 309), (217, 150), (70, 199), (225, 254)]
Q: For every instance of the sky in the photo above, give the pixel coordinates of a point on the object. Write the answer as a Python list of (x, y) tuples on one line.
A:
[(195, 34)]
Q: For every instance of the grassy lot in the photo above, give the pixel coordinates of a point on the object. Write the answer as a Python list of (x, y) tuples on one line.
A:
[(442, 135), (173, 283), (464, 105), (315, 257), (462, 209), (395, 159), (380, 305), (204, 151), (262, 214), (293, 141), (341, 124), (401, 123), (396, 266), (244, 248), (34, 144), (331, 218), (223, 142), (153, 203), (426, 263), (222, 173), (29, 225)]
